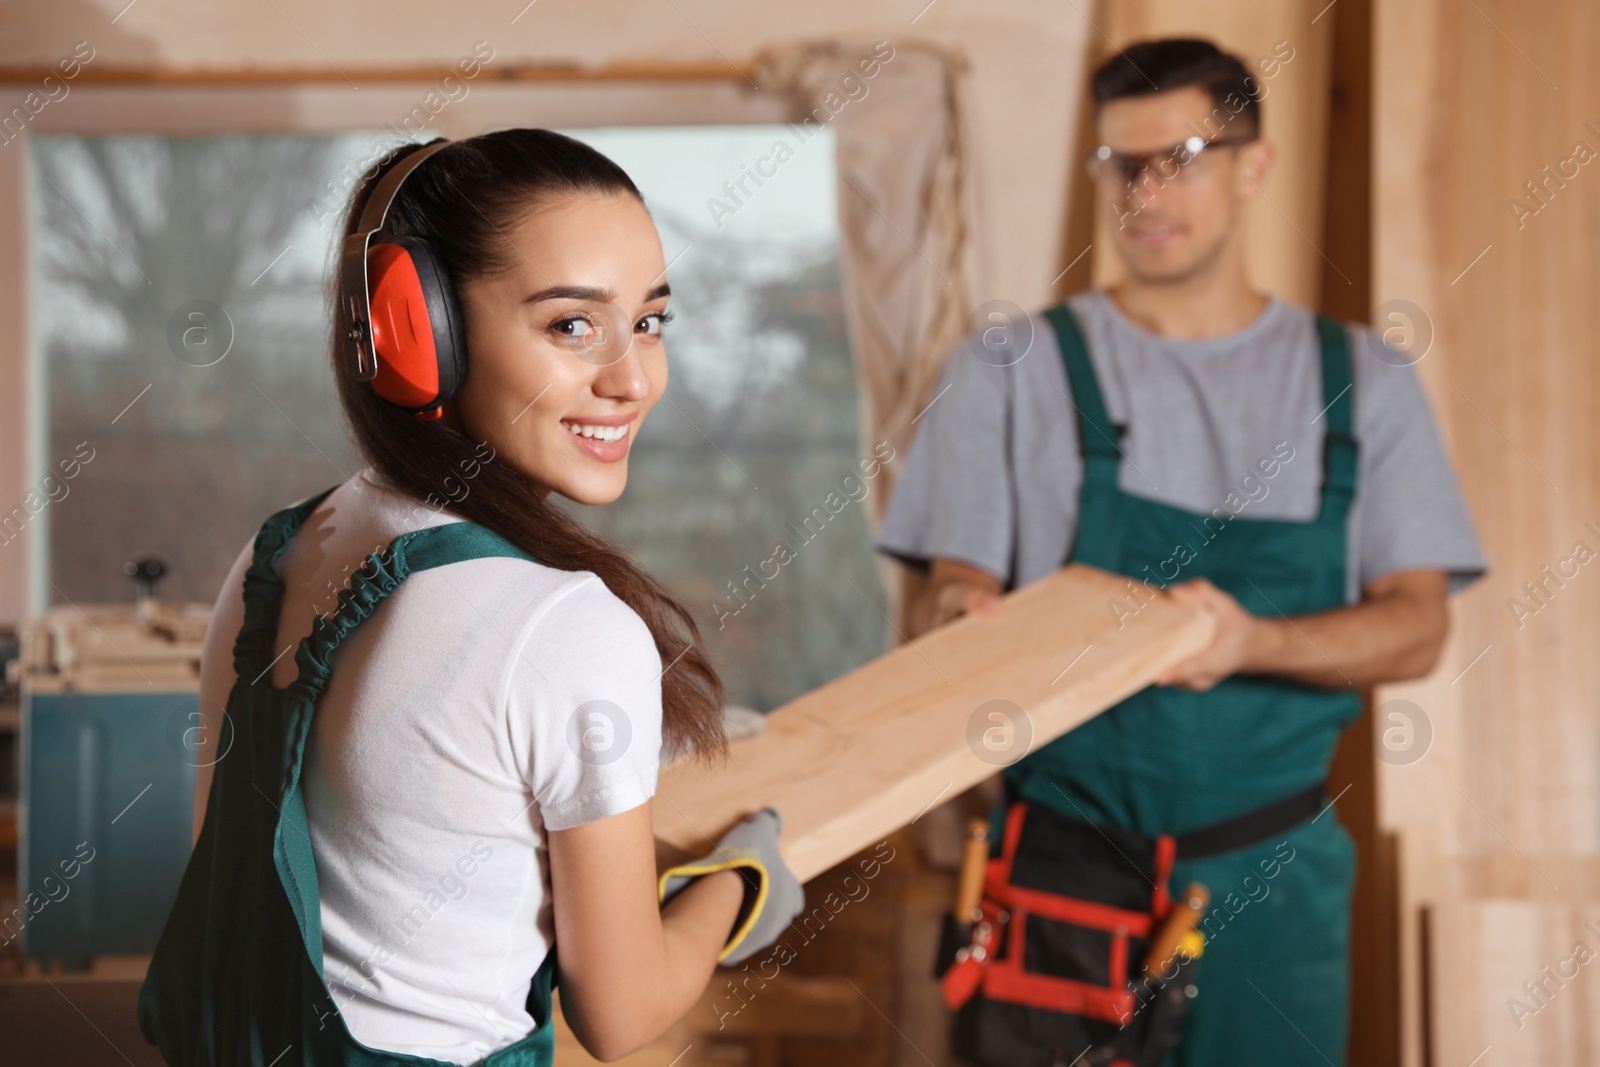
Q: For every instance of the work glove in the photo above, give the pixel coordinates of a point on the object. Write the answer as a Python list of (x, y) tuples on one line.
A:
[(772, 895)]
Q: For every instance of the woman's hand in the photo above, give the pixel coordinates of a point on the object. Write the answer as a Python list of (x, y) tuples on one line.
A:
[(629, 967), (772, 895)]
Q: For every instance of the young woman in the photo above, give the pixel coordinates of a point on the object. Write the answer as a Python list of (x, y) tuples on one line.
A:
[(451, 775)]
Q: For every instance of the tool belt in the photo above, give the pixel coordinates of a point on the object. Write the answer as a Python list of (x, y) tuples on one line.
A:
[(1051, 969)]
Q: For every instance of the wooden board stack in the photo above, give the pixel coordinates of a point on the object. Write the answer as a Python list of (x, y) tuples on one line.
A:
[(869, 752)]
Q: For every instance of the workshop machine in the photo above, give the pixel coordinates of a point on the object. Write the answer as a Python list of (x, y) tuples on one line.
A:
[(110, 728)]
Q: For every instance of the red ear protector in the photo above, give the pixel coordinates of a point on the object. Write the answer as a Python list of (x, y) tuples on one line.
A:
[(403, 317)]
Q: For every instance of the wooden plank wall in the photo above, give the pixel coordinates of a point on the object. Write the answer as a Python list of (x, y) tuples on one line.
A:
[(1515, 983), (1500, 819)]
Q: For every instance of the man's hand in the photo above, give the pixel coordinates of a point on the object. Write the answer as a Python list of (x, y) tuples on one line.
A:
[(1235, 648), (955, 589), (1394, 634)]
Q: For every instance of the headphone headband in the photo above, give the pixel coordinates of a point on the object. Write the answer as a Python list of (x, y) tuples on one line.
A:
[(354, 296)]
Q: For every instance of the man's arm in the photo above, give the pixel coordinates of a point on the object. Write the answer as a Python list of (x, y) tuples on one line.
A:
[(1395, 633)]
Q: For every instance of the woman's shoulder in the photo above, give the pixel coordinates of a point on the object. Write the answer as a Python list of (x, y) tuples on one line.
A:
[(391, 506), (582, 613), (574, 610), (366, 499)]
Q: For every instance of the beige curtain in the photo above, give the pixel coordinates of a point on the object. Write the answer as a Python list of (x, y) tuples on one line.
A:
[(905, 212)]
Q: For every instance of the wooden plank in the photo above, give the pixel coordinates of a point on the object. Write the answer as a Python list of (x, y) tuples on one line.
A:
[(115, 647), (868, 752)]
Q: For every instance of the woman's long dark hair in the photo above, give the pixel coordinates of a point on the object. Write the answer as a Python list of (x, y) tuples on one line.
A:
[(463, 201)]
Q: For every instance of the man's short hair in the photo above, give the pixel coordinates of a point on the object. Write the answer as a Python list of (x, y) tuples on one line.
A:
[(1159, 66)]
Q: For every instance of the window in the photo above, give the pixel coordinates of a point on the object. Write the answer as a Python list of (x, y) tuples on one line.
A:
[(181, 328), (180, 301)]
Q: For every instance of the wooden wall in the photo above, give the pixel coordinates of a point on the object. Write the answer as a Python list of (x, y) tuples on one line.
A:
[(1500, 819)]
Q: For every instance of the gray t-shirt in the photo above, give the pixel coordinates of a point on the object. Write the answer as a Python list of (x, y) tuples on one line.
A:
[(993, 474)]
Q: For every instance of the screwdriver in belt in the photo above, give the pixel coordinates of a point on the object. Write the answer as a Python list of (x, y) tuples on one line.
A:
[(1179, 931)]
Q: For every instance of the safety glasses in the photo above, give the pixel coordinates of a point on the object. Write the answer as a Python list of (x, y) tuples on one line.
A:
[(1109, 167)]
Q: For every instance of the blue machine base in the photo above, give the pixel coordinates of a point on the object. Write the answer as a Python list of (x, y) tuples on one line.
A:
[(108, 794)]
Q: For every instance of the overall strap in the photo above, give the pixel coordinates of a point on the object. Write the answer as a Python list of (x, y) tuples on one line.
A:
[(1096, 435), (1339, 452), (263, 589), (378, 576), (375, 578)]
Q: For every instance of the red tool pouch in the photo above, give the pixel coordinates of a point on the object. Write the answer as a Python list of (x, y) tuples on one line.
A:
[(1053, 970), (1053, 963)]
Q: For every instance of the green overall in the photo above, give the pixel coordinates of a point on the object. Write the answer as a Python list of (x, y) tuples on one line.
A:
[(236, 980), (1273, 980)]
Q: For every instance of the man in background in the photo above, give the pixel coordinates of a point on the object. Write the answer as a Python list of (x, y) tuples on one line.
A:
[(1278, 470)]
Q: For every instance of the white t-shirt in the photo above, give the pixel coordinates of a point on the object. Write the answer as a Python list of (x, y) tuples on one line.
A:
[(459, 724)]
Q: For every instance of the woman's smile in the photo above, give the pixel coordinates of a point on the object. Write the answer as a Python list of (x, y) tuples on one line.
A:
[(602, 437)]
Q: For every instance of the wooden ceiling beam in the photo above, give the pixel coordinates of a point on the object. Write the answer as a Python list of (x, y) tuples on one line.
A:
[(642, 70)]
